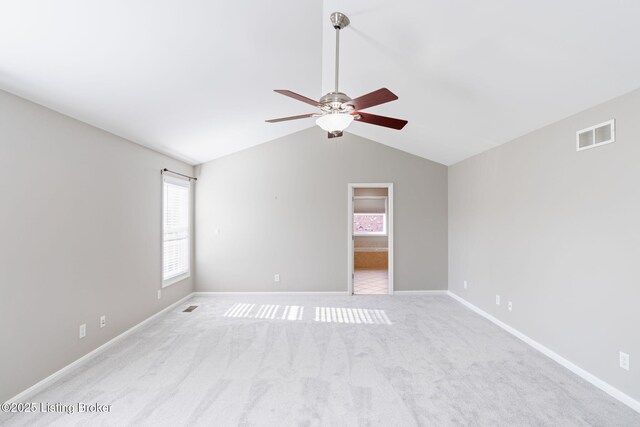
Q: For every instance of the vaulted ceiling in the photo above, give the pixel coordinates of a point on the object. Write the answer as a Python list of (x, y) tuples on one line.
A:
[(194, 79)]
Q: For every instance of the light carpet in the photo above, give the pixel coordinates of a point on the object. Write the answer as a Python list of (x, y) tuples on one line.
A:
[(325, 361)]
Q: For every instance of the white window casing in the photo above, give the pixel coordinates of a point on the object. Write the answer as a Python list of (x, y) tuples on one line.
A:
[(176, 230)]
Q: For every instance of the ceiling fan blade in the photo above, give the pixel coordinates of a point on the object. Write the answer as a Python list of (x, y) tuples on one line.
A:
[(388, 122), (377, 97), (298, 97), (284, 119), (335, 134)]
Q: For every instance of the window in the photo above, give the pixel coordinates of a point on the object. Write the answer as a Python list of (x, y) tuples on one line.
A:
[(370, 224), (175, 230), (369, 215)]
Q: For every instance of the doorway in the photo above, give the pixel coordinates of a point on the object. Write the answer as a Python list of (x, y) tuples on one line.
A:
[(370, 237)]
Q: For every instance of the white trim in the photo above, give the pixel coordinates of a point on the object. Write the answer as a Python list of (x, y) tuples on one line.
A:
[(426, 292), (299, 293), (602, 385), (592, 129), (186, 183), (175, 279), (350, 249), (53, 377)]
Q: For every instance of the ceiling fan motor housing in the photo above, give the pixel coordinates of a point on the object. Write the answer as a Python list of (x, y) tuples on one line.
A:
[(335, 102)]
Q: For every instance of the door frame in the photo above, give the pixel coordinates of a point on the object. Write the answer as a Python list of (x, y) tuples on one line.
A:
[(350, 252)]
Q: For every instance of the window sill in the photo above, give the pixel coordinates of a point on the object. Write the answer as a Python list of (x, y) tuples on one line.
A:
[(175, 279), (369, 234)]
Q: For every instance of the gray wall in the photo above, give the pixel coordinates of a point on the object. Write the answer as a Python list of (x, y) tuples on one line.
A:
[(558, 233), (281, 207), (80, 221)]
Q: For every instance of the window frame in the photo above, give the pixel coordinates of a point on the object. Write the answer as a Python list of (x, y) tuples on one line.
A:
[(172, 180), (384, 231)]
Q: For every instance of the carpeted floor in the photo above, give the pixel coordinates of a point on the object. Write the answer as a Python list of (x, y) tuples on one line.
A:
[(326, 361)]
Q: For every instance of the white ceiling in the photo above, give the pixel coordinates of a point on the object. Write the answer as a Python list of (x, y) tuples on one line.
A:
[(194, 79)]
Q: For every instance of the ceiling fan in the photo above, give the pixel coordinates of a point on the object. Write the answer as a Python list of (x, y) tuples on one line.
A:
[(337, 109)]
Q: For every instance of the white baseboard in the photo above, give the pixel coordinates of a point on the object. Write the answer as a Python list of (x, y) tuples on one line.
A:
[(51, 378), (432, 292), (298, 293), (602, 385)]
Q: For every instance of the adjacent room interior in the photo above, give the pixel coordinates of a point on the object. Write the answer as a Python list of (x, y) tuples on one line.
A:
[(408, 213), (370, 240)]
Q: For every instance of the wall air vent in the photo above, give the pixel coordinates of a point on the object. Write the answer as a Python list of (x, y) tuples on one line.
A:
[(597, 135)]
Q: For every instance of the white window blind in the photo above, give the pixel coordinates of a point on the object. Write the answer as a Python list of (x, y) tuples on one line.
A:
[(175, 229)]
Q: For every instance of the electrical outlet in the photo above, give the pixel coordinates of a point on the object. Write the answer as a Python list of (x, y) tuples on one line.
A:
[(159, 293), (465, 284), (497, 299), (83, 330), (510, 306), (103, 321), (624, 361), (276, 278)]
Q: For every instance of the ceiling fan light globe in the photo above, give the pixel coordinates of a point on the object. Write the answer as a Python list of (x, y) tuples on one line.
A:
[(335, 122)]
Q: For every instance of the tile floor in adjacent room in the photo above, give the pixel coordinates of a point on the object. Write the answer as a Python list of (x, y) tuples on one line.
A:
[(315, 360), (368, 282)]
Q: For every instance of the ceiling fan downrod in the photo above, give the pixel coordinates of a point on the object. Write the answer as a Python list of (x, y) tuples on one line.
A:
[(339, 21)]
